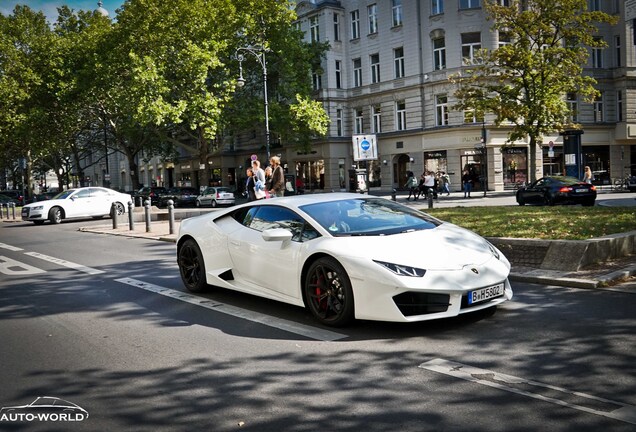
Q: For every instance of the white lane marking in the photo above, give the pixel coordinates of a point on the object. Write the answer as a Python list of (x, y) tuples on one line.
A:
[(9, 247), (12, 267), (545, 392), (65, 263), (289, 326)]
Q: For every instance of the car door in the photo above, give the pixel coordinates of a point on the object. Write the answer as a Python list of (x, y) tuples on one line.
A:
[(99, 203), (76, 204), (268, 265), (533, 194)]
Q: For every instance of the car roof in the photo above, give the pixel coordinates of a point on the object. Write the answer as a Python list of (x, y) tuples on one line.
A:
[(301, 200)]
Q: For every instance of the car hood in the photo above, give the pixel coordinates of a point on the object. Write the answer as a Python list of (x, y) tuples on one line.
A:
[(48, 203), (446, 247)]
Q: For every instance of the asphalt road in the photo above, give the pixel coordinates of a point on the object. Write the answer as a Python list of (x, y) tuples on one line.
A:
[(104, 322)]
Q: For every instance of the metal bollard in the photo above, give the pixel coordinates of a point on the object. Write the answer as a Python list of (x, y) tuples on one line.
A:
[(171, 216), (7, 214), (1, 210), (393, 195), (429, 197), (147, 214), (13, 210), (131, 217), (113, 212)]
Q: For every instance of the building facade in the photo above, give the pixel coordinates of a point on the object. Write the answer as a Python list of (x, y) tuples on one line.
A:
[(387, 74)]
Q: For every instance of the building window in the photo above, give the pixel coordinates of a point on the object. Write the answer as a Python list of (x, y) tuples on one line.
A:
[(314, 29), (504, 2), (594, 5), (396, 10), (597, 56), (504, 39), (377, 119), (355, 24), (359, 121), (441, 110), (437, 7), (598, 109), (339, 122), (357, 72), (473, 116), (375, 68), (398, 62), (573, 107), (617, 48), (469, 4), (439, 53), (619, 106), (372, 11), (316, 80), (338, 74), (336, 27), (400, 115), (471, 43)]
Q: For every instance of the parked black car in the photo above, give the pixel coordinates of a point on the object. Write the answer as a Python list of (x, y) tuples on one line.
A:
[(5, 199), (152, 193), (180, 196), (557, 190), (15, 194)]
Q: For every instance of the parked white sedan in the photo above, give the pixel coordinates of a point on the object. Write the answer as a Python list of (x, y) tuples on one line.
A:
[(95, 202), (344, 256)]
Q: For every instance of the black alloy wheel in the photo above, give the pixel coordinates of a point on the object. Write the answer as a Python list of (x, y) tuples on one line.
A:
[(191, 266), (547, 199), (328, 292)]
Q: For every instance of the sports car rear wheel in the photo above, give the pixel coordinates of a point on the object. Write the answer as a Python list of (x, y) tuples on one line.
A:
[(328, 292), (191, 266)]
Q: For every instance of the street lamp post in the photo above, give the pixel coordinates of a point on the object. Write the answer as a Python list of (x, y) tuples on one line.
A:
[(484, 151), (259, 53)]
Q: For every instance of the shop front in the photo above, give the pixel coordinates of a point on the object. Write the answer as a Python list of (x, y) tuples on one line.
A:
[(473, 162), (515, 167), (436, 161)]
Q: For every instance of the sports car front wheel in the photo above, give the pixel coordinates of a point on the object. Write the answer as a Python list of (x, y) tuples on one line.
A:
[(328, 292), (191, 266)]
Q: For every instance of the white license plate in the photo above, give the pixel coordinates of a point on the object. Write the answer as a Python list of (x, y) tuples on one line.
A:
[(485, 293), (580, 190)]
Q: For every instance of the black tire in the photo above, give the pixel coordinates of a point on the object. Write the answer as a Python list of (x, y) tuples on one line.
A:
[(198, 204), (520, 200), (38, 222), (328, 292), (588, 203), (191, 266), (214, 204), (547, 199), (55, 215), (119, 210)]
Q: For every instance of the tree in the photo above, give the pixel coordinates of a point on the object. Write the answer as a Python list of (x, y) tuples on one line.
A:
[(524, 83)]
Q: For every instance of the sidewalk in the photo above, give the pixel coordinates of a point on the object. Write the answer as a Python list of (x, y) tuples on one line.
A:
[(616, 274)]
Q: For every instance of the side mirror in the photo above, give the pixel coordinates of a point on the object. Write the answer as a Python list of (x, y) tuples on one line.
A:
[(277, 234)]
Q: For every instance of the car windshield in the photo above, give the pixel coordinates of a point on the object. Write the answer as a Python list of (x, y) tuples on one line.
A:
[(368, 216), (64, 194), (223, 189)]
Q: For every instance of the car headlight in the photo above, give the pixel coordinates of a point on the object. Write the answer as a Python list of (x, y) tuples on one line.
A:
[(493, 249), (402, 270), (37, 208)]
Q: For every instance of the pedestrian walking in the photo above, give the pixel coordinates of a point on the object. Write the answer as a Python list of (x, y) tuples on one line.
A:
[(411, 185), (467, 183)]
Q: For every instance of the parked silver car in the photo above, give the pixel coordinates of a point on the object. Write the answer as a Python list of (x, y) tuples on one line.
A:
[(215, 196)]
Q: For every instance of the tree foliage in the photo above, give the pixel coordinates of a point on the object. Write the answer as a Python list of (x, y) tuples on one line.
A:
[(524, 83), (160, 76)]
